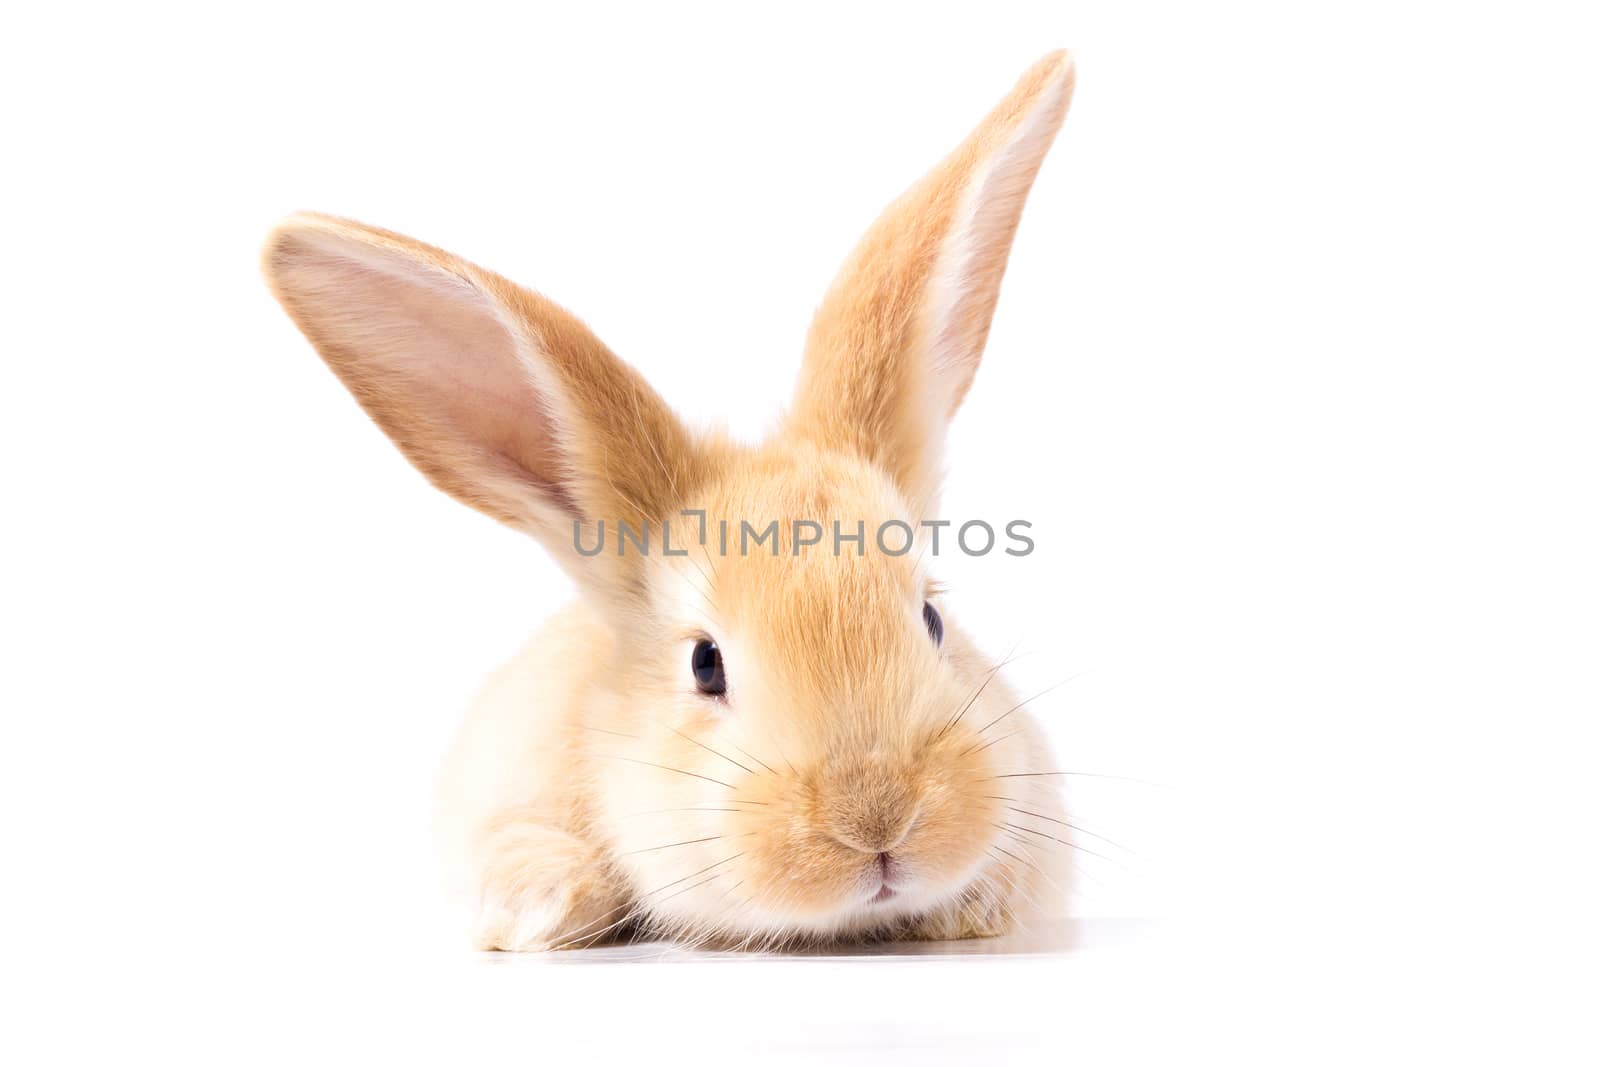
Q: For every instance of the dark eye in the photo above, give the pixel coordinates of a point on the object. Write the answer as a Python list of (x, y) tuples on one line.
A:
[(935, 624), (706, 662)]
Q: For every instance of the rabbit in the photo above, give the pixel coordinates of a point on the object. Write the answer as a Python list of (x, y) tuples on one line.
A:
[(769, 747)]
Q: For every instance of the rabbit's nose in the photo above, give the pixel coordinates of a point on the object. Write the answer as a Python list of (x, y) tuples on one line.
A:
[(870, 809), (877, 835)]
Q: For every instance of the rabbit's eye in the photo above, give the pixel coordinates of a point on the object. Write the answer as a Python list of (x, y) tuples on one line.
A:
[(706, 662), (935, 625)]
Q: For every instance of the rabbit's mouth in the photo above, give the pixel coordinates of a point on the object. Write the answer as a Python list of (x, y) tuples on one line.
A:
[(886, 871)]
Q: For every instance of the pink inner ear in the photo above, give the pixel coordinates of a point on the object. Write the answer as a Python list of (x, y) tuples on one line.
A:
[(429, 357), (972, 260)]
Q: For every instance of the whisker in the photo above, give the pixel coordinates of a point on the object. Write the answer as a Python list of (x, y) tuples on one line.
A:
[(711, 750), (662, 766), (1019, 859), (974, 699), (613, 733), (1022, 704), (696, 874), (1069, 825), (787, 761), (703, 574), (1048, 877), (1004, 885), (711, 607), (756, 759), (995, 741), (707, 553), (1051, 837), (630, 912), (1059, 888), (664, 811), (675, 844), (696, 885), (1076, 774)]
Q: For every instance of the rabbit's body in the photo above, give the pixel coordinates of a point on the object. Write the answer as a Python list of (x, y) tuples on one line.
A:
[(719, 741)]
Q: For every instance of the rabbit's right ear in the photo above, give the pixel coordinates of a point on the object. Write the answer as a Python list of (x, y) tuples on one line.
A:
[(500, 397), (894, 346)]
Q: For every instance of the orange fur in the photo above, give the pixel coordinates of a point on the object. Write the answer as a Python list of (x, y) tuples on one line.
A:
[(593, 787)]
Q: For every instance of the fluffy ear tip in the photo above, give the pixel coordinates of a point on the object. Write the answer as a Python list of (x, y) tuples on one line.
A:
[(290, 236), (1058, 64), (1058, 70)]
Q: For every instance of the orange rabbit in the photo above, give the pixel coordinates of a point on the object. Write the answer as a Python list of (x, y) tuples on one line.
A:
[(756, 747)]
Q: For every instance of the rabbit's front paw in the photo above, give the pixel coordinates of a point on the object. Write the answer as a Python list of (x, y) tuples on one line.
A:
[(543, 889)]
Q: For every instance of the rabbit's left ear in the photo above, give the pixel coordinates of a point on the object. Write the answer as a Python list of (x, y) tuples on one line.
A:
[(500, 397), (893, 348)]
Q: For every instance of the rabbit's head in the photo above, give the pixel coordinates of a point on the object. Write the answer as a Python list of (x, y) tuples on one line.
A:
[(786, 734)]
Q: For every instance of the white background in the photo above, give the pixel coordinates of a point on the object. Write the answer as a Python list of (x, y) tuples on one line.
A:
[(1294, 374)]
